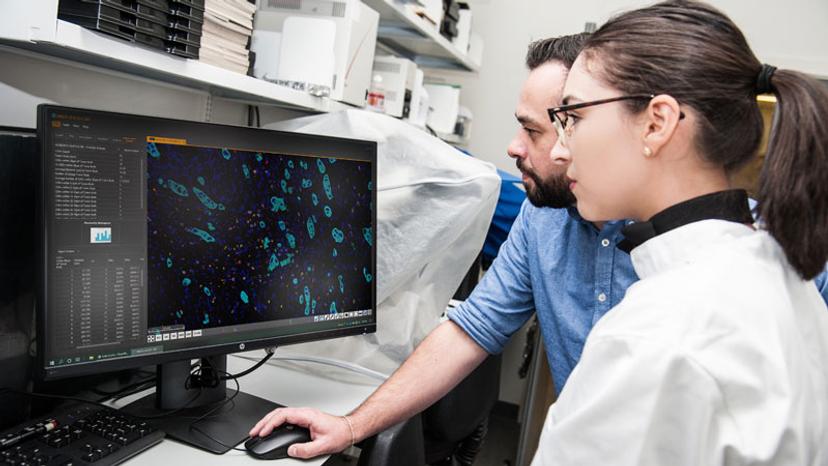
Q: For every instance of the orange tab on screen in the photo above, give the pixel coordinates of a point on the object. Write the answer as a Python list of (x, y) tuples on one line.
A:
[(156, 139)]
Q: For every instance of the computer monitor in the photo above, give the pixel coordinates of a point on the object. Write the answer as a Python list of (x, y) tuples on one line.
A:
[(18, 151), (166, 240)]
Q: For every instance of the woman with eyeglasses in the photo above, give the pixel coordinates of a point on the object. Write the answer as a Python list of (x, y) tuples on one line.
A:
[(719, 354)]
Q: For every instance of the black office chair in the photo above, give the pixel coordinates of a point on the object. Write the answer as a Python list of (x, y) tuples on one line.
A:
[(450, 432), (400, 445), (455, 426)]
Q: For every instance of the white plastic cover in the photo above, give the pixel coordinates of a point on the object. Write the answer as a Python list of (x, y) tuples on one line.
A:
[(434, 208)]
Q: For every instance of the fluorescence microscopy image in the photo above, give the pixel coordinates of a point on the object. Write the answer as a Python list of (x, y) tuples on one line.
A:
[(239, 237)]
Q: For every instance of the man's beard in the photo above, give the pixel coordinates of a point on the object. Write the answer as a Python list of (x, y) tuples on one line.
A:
[(553, 192)]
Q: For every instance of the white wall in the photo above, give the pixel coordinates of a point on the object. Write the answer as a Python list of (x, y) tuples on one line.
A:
[(789, 34)]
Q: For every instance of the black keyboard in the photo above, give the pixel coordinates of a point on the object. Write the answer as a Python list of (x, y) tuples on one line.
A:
[(80, 436)]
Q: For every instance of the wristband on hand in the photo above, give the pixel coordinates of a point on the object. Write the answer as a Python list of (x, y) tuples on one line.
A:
[(351, 428)]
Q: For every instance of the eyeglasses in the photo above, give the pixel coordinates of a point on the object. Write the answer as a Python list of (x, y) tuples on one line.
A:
[(562, 124)]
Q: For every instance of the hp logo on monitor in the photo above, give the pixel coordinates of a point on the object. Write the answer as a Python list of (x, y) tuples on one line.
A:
[(241, 346)]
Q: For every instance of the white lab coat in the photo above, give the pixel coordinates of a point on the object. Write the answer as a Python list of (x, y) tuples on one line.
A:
[(717, 356)]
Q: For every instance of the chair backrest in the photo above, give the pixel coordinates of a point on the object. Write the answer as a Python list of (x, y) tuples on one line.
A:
[(400, 445), (449, 421), (455, 416)]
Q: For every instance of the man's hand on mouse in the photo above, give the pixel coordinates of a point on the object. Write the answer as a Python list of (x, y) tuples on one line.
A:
[(329, 434)]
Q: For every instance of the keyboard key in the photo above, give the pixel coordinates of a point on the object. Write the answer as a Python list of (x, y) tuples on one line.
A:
[(111, 447), (60, 460), (56, 442)]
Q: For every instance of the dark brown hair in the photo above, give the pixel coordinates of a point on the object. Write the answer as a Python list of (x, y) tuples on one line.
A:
[(695, 53), (564, 49)]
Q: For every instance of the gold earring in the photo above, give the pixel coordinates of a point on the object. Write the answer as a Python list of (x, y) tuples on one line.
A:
[(648, 152)]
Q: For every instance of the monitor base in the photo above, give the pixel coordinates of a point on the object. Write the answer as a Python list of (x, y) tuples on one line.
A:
[(225, 428)]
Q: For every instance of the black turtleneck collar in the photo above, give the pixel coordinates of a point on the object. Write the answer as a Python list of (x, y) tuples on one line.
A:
[(731, 205)]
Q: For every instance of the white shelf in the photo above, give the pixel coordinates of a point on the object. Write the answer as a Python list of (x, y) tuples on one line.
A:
[(77, 44), (409, 35)]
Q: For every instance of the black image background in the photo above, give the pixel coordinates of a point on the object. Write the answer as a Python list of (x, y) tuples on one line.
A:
[(200, 284)]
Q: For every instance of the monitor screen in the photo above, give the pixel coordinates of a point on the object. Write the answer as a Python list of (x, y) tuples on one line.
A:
[(167, 239)]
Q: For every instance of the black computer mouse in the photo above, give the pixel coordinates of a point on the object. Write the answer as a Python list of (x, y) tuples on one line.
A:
[(275, 445)]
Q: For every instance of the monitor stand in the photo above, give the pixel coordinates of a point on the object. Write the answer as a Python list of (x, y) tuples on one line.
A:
[(229, 425)]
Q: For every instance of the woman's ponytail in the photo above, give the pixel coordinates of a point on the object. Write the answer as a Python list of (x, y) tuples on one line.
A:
[(793, 186)]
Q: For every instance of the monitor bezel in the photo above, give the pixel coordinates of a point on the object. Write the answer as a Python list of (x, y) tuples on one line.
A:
[(131, 362)]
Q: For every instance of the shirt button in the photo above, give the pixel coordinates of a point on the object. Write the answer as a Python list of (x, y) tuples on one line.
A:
[(605, 242), (602, 297)]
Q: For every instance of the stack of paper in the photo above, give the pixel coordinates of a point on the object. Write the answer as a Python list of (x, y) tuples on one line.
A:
[(228, 25)]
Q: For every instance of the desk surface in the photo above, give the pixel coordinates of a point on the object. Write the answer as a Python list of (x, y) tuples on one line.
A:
[(282, 382)]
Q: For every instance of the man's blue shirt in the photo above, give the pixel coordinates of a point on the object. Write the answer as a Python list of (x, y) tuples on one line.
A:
[(562, 267)]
